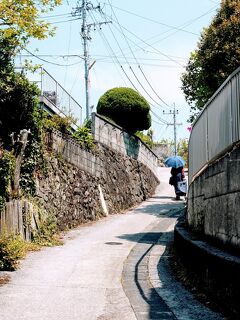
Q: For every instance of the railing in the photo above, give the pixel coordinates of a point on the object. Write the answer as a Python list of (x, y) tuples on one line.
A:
[(59, 97), (218, 126), (54, 97)]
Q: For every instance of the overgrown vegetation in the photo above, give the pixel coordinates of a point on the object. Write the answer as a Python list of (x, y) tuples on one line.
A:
[(46, 233), (182, 150), (125, 107), (7, 166), (19, 110), (84, 137), (146, 138), (12, 249), (216, 57), (63, 124)]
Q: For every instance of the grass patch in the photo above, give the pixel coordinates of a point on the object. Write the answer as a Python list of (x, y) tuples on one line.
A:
[(12, 249)]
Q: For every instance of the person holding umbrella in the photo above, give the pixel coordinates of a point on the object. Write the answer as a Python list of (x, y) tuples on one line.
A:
[(177, 178)]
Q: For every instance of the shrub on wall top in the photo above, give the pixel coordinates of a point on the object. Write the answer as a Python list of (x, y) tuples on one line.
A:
[(125, 107)]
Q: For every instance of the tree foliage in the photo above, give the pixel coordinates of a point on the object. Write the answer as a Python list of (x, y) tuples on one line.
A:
[(182, 149), (21, 20), (216, 57), (125, 107), (18, 105), (146, 138)]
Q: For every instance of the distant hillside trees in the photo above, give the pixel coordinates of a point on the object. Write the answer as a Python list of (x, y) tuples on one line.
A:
[(216, 57), (125, 107)]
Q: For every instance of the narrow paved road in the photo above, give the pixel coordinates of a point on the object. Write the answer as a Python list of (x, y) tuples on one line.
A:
[(106, 270)]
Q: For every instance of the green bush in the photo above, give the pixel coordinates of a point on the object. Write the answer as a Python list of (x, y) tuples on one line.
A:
[(125, 107), (63, 124), (12, 249), (84, 137), (146, 138)]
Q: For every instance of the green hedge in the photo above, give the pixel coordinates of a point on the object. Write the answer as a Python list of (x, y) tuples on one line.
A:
[(125, 107)]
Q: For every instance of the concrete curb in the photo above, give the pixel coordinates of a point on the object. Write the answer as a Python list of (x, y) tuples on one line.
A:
[(179, 300), (218, 271)]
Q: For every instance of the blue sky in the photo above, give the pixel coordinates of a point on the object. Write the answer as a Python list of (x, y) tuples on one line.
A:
[(156, 35)]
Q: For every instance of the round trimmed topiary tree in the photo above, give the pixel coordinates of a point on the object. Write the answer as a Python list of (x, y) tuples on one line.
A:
[(125, 107)]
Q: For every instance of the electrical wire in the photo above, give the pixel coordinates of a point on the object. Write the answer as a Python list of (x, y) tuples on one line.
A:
[(103, 57), (186, 24), (139, 66), (56, 16), (69, 44), (57, 22), (178, 28), (50, 62), (154, 21), (160, 119), (117, 59), (153, 88), (109, 48), (126, 75)]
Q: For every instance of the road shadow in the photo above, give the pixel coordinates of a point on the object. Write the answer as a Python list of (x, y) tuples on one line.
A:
[(151, 238), (152, 207), (163, 197), (146, 302)]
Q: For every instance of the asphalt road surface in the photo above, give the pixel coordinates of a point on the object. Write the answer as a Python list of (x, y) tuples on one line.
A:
[(111, 269)]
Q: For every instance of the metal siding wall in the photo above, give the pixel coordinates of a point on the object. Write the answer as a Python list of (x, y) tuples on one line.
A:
[(235, 105), (198, 146), (217, 127), (219, 123)]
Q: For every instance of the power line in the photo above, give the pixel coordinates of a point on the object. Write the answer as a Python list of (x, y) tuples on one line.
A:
[(152, 20), (110, 48), (153, 88), (149, 45), (123, 70), (135, 60), (57, 22), (56, 15), (186, 24), (50, 62), (145, 59)]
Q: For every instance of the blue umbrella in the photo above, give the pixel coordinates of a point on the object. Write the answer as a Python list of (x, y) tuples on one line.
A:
[(174, 162)]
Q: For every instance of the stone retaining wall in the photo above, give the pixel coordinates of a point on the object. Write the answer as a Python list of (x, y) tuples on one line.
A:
[(117, 139), (80, 186), (75, 196), (214, 200)]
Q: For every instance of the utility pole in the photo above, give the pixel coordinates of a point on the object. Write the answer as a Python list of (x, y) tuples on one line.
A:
[(174, 112), (82, 12)]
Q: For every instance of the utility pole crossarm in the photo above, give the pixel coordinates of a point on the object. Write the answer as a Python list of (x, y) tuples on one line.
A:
[(82, 11)]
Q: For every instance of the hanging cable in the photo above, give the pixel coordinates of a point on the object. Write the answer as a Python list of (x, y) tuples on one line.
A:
[(136, 62), (108, 47), (53, 63), (153, 88)]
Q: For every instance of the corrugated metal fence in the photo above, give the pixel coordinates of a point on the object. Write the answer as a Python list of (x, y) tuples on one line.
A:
[(218, 126)]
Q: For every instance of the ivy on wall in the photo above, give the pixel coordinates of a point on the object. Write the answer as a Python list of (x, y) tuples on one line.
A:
[(7, 166)]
